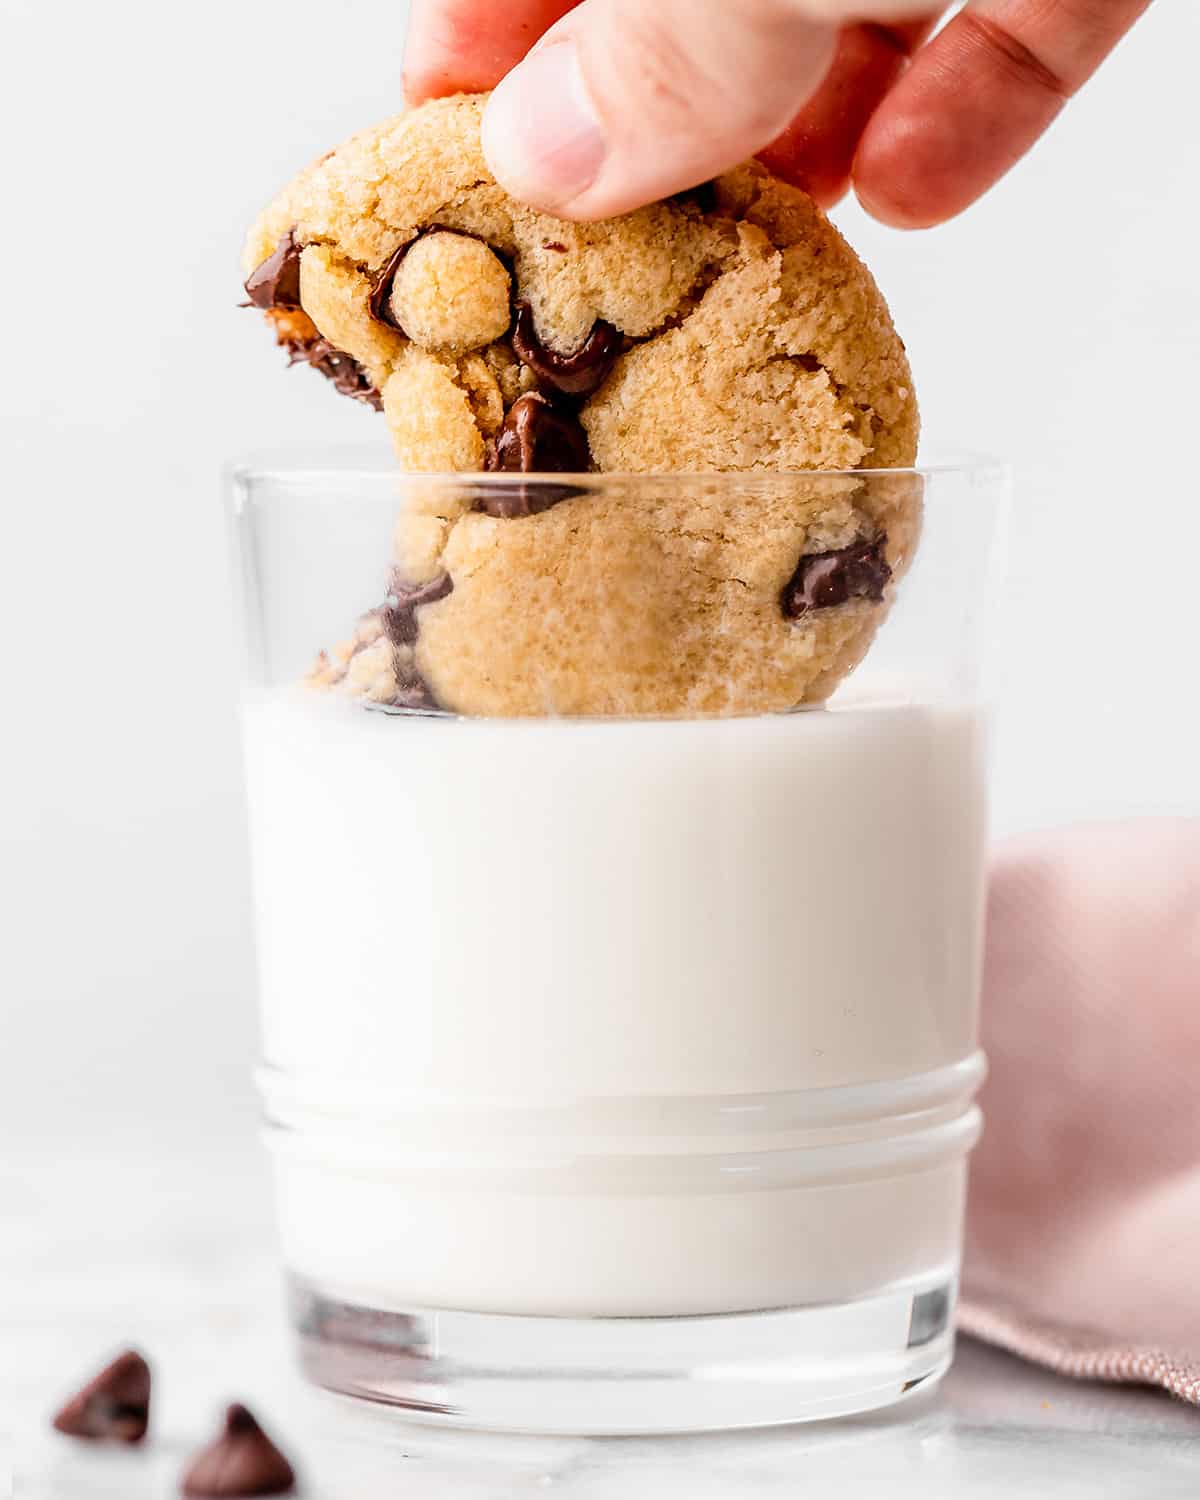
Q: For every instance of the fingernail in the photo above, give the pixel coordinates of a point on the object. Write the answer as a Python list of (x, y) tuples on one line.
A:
[(541, 134)]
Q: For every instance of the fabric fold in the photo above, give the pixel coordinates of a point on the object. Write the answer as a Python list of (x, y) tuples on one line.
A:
[(1083, 1225)]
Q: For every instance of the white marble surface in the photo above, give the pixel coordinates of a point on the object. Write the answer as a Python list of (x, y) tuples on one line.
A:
[(167, 1244)]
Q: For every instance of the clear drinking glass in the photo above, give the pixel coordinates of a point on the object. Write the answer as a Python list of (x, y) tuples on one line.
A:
[(618, 1068)]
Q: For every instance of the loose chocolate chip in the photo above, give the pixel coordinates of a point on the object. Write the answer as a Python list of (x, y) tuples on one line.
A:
[(824, 579), (114, 1406), (575, 374), (241, 1461), (348, 376), (538, 438), (399, 611), (276, 283)]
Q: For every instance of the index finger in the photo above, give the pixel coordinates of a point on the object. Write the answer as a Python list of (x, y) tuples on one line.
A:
[(817, 149), (975, 100), (467, 46)]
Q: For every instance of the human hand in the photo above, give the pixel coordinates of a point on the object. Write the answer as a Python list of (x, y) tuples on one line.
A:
[(624, 101)]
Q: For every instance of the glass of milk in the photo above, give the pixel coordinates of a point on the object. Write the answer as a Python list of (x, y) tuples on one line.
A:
[(618, 1072)]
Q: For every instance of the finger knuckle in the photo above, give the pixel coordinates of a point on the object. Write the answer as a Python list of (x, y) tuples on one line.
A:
[(1015, 56)]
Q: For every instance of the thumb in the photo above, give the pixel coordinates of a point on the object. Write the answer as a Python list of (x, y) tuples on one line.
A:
[(623, 102)]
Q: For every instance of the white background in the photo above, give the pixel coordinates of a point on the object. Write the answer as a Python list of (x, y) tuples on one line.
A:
[(1058, 323)]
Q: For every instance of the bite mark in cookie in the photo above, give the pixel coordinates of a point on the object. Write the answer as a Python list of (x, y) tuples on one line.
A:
[(729, 329), (274, 288)]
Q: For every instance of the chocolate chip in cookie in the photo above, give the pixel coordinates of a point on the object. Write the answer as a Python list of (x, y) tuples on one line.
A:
[(823, 580), (575, 374), (346, 374), (276, 282), (539, 438), (399, 614), (729, 328)]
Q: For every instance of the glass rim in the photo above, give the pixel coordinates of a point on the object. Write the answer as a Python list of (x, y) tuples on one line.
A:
[(306, 468)]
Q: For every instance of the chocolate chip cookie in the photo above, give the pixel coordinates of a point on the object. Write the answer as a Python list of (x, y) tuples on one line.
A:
[(726, 329), (615, 594)]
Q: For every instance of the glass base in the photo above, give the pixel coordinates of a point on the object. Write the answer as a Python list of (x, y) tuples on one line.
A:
[(610, 1376)]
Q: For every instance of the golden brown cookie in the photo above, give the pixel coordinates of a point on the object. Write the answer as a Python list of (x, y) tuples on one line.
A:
[(728, 329), (631, 594)]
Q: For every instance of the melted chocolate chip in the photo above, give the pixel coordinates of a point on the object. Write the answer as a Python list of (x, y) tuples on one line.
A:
[(348, 376), (399, 611), (276, 283), (275, 287), (575, 374), (379, 302), (555, 245), (537, 438), (241, 1461), (115, 1406), (412, 692), (395, 622), (825, 579), (520, 498)]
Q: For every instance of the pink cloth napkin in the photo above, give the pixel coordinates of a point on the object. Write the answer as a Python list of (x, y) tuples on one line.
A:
[(1083, 1228)]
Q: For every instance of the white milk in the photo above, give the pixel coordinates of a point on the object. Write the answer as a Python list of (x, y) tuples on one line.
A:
[(618, 1017)]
